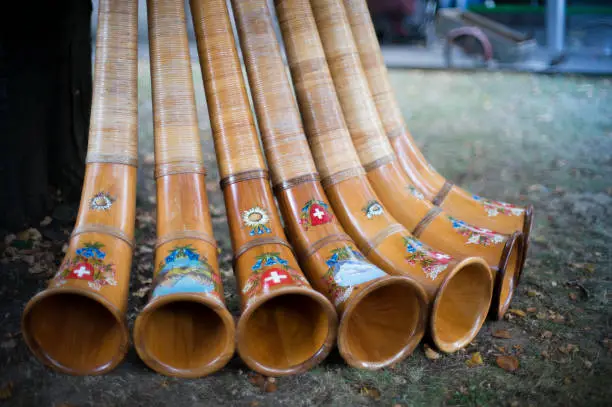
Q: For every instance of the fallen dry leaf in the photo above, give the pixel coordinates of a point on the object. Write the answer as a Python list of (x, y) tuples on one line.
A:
[(545, 354), (517, 312), (257, 380), (547, 334), (141, 292), (531, 309), (502, 349), (6, 391), (502, 333), (508, 363), (46, 221), (475, 360), (270, 385), (588, 364), (431, 354), (533, 293), (541, 315), (371, 392), (572, 296), (569, 348)]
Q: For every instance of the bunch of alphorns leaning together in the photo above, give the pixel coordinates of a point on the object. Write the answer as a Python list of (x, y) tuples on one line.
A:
[(376, 250)]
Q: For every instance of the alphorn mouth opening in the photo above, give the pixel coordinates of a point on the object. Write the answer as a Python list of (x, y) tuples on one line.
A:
[(287, 332), (183, 335), (74, 331), (508, 274), (384, 323), (461, 305)]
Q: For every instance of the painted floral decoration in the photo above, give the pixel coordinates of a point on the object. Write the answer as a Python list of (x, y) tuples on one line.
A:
[(477, 235), (270, 270), (373, 208), (415, 192), (346, 269), (494, 208), (315, 213), (185, 271), (102, 201), (431, 261), (88, 265), (257, 220)]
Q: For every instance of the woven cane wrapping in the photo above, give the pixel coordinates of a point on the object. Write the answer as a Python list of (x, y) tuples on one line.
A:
[(328, 137), (177, 141), (350, 81), (113, 129), (374, 66), (281, 127), (236, 142)]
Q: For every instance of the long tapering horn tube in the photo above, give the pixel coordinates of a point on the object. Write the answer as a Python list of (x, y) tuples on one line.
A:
[(185, 330), (77, 325), (503, 217), (399, 196), (382, 317), (460, 291), (286, 326)]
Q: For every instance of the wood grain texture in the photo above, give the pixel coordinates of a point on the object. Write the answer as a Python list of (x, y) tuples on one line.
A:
[(77, 325), (459, 203), (382, 318), (185, 329), (230, 114), (376, 233), (286, 327), (350, 83)]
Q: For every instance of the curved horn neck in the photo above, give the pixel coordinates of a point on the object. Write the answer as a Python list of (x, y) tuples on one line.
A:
[(77, 325), (286, 327), (186, 306), (391, 309)]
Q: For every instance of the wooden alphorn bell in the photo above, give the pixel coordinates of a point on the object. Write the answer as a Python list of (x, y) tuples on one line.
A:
[(399, 196), (459, 291), (77, 325), (382, 317), (485, 213), (286, 326), (185, 330)]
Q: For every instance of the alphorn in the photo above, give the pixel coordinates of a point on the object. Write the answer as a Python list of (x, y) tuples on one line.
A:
[(400, 197), (500, 216), (185, 330), (459, 291), (286, 327), (382, 317), (77, 325)]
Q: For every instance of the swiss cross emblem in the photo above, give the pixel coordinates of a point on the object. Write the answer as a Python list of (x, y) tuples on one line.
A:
[(319, 215), (275, 276), (82, 271)]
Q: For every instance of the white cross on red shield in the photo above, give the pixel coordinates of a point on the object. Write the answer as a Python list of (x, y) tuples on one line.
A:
[(275, 276), (318, 215), (82, 271)]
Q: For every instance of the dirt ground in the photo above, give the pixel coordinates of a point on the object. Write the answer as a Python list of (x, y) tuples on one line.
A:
[(520, 138)]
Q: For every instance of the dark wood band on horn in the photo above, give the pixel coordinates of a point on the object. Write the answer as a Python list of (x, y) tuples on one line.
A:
[(379, 163), (186, 234), (441, 195), (293, 182), (104, 229), (380, 237), (423, 223), (396, 132), (243, 176), (317, 245), (341, 176), (259, 242)]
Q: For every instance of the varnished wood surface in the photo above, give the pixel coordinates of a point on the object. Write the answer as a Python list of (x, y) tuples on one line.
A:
[(77, 325), (185, 330), (286, 327), (380, 237), (429, 182), (361, 292)]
